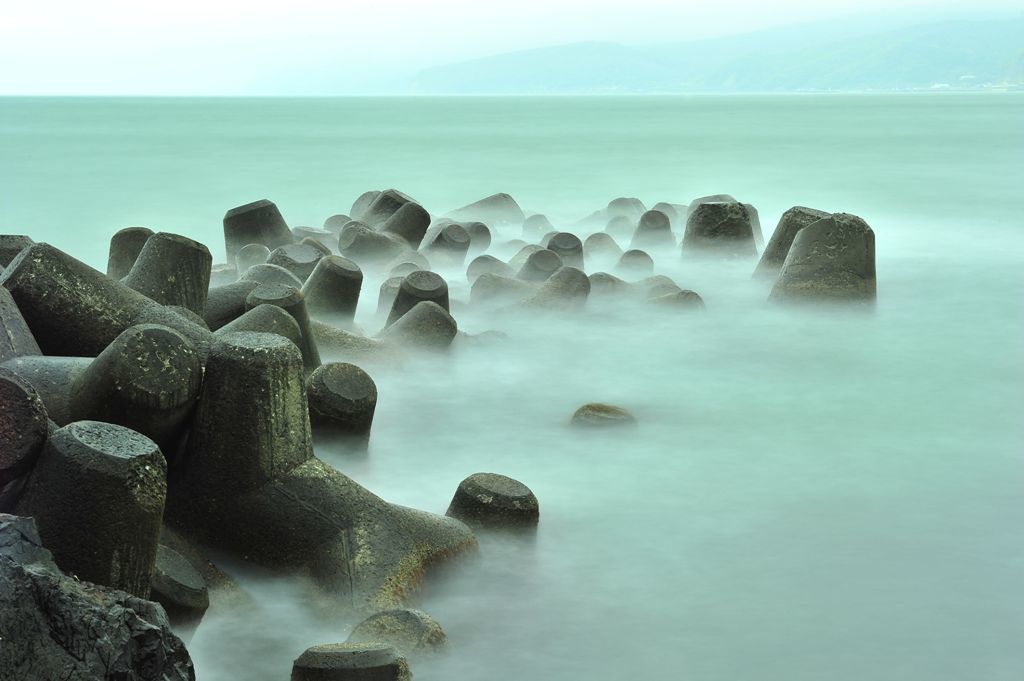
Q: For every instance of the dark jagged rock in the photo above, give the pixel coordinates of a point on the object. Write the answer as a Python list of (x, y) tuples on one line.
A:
[(350, 662), (252, 487), (172, 270), (653, 231), (299, 259), (598, 415), (11, 245), (487, 264), (250, 255), (52, 378), (227, 303), (179, 587), (635, 262), (342, 400), (497, 209), (332, 290), (54, 627), (415, 288), (147, 379), (289, 299), (24, 426), (720, 229), (16, 338), (259, 222), (539, 266), (125, 246), (427, 326), (411, 632), (791, 222), (490, 500), (832, 260), (268, 273), (410, 222), (97, 493)]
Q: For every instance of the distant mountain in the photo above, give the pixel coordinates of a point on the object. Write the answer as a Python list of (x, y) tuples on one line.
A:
[(953, 54)]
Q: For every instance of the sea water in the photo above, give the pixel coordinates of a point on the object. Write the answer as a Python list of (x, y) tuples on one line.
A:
[(809, 495)]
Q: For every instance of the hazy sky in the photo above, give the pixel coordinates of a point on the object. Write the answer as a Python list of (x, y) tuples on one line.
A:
[(314, 47)]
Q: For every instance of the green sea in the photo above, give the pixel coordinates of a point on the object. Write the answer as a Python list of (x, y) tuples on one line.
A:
[(811, 494)]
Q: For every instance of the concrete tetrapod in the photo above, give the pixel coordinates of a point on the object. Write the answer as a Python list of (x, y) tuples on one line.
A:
[(24, 426), (251, 486), (16, 338), (791, 222), (259, 222), (833, 260), (719, 229), (125, 246), (73, 309), (351, 662), (342, 400), (97, 493), (491, 500), (147, 379), (172, 270), (332, 290)]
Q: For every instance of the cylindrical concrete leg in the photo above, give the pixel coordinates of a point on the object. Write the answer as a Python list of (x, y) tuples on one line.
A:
[(147, 379), (299, 259), (539, 266), (265, 319), (342, 399), (291, 301), (332, 290), (71, 308), (97, 493), (259, 222), (427, 325), (173, 270), (253, 418), (418, 287), (568, 247), (226, 303), (125, 247), (16, 338), (179, 587), (351, 662), (249, 255), (494, 501), (23, 426)]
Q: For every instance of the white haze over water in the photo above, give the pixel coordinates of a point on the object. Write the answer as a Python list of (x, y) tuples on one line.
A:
[(810, 494)]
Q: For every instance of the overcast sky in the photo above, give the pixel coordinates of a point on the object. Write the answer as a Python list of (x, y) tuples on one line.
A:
[(313, 47)]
